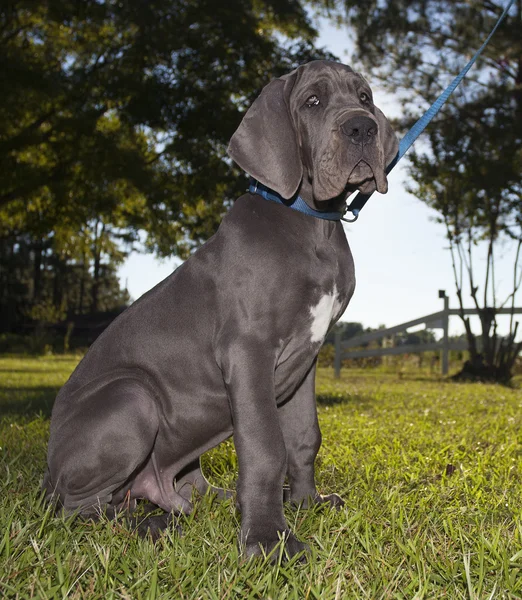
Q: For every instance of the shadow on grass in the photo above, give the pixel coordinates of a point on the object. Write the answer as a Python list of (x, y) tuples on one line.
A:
[(333, 399), (68, 358), (422, 378), (24, 371), (31, 401)]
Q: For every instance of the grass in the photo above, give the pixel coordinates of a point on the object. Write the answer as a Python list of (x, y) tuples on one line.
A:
[(430, 471)]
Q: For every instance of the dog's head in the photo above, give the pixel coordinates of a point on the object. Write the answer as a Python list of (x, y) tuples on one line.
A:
[(318, 122)]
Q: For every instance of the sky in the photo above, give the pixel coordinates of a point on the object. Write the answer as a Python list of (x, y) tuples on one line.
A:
[(400, 252)]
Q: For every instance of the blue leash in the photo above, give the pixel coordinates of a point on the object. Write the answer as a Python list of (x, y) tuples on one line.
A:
[(360, 200)]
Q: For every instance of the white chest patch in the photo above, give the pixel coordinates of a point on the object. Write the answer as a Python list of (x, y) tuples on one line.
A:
[(323, 313)]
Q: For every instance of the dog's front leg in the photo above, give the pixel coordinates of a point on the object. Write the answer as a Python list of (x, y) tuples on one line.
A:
[(249, 376), (302, 436)]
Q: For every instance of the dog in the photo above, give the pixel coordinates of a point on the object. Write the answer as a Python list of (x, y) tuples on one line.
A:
[(227, 344)]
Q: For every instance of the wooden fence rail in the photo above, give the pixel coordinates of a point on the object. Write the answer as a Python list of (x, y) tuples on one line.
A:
[(438, 320)]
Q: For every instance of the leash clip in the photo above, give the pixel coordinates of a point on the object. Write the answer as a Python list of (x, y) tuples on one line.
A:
[(355, 214)]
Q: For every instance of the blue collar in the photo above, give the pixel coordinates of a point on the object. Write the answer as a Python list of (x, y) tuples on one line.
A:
[(297, 203)]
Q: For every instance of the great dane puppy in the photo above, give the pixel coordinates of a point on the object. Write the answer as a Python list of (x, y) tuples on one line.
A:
[(227, 344)]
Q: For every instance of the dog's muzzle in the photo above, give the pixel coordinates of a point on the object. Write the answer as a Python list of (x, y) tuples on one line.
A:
[(361, 131)]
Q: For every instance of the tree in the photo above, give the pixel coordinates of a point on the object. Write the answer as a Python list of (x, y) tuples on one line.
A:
[(472, 180), (114, 120), (470, 168), (346, 329), (149, 91), (44, 273)]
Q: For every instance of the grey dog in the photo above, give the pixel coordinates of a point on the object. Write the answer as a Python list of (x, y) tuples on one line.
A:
[(227, 344)]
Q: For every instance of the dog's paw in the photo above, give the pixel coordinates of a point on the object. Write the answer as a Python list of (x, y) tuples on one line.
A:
[(333, 500), (330, 500), (154, 526), (283, 548)]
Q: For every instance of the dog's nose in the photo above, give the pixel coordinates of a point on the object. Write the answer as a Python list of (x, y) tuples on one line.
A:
[(361, 130)]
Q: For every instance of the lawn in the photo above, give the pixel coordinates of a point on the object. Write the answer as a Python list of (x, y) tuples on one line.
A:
[(430, 471)]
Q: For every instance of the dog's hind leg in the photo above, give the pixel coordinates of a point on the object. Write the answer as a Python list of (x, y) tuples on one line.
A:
[(155, 525), (99, 442)]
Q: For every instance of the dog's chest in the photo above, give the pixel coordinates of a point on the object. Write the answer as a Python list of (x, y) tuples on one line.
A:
[(326, 299), (337, 286), (301, 348), (323, 313)]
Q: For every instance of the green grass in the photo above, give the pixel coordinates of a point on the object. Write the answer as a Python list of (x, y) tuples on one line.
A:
[(430, 471)]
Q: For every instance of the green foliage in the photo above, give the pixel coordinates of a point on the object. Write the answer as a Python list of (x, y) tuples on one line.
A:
[(46, 313), (413, 45), (429, 469), (346, 329), (114, 121), (43, 281), (129, 107)]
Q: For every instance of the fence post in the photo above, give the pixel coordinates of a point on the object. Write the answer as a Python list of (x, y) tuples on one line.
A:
[(445, 338), (337, 357)]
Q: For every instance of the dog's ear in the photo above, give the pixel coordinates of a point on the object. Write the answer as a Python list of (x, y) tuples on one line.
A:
[(265, 143), (389, 142)]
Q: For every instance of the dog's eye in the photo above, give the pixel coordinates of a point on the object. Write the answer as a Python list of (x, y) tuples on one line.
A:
[(313, 101), (364, 97)]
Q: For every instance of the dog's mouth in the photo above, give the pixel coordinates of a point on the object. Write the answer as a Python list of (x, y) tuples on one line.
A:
[(366, 174), (367, 179)]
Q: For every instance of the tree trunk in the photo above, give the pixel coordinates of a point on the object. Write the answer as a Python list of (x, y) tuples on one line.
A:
[(37, 272), (97, 250), (496, 361), (57, 282), (83, 276), (95, 283)]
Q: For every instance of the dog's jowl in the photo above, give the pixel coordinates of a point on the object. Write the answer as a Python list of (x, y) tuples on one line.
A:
[(227, 344)]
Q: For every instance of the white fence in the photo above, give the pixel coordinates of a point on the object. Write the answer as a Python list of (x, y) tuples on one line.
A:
[(438, 320)]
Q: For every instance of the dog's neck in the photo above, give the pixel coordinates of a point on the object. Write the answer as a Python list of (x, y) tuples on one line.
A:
[(335, 204), (296, 203)]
